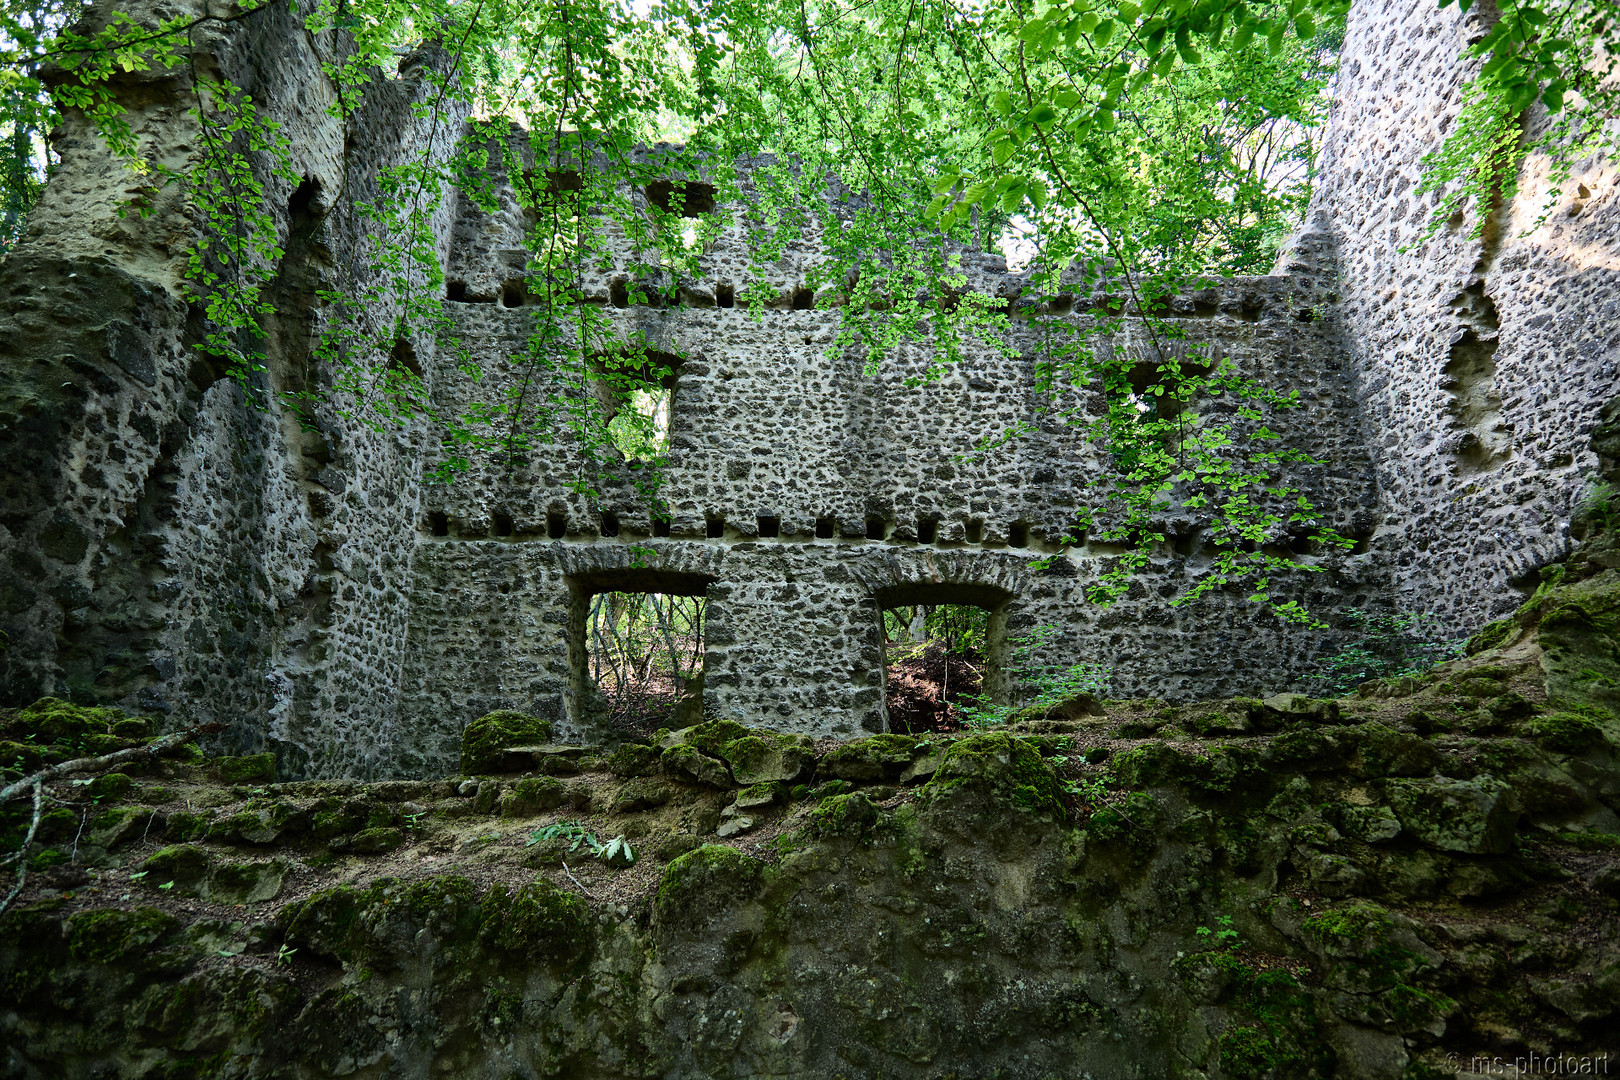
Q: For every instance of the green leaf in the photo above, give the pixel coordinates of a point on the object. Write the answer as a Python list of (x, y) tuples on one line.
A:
[(1305, 28)]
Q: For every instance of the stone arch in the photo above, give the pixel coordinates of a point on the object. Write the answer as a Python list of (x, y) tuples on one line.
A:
[(995, 583)]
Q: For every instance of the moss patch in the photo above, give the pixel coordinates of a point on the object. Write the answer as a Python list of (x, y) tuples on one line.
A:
[(484, 741)]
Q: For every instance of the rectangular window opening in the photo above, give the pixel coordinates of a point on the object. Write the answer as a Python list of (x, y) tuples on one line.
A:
[(725, 296), (875, 529), (660, 526), (770, 525), (503, 524), (927, 529), (514, 292), (940, 663), (975, 532), (455, 291), (804, 299), (825, 526), (556, 525), (639, 657), (1018, 535), (715, 528), (610, 524), (438, 523)]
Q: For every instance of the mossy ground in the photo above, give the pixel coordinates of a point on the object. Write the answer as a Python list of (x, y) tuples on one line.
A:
[(1040, 845)]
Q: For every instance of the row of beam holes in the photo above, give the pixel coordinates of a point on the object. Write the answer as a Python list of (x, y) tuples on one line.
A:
[(1184, 544), (725, 296), (715, 528)]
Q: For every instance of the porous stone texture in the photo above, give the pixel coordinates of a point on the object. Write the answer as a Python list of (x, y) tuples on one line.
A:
[(180, 543), (1324, 895), (1481, 362), (175, 540), (770, 426)]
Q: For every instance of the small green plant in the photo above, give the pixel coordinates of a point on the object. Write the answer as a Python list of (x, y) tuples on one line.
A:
[(284, 954), (1052, 682), (616, 849), (166, 886), (1089, 789), (1385, 646), (1223, 937)]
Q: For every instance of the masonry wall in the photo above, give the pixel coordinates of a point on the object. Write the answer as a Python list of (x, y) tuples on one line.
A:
[(1481, 362), (770, 423), (168, 544), (172, 539)]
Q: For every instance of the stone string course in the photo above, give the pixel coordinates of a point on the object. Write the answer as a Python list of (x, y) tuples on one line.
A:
[(168, 545)]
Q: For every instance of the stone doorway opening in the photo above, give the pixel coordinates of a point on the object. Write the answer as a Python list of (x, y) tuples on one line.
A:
[(943, 649), (636, 646)]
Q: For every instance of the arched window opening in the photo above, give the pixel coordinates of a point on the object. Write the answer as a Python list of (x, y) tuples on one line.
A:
[(637, 646), (942, 651)]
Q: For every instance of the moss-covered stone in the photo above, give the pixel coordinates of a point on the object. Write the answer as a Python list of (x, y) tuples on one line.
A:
[(53, 720), (630, 760), (1566, 732), (19, 758), (867, 761), (187, 825), (1472, 816), (373, 841), (110, 787), (700, 884), (111, 935), (532, 795), (844, 815), (251, 769), (183, 864), (114, 828), (538, 921), (768, 757), (642, 793), (485, 741), (245, 883), (1002, 766), (1493, 635), (689, 763)]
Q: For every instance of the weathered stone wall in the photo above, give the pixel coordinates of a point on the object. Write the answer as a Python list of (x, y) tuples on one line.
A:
[(173, 539), (1482, 362), (171, 545), (769, 423)]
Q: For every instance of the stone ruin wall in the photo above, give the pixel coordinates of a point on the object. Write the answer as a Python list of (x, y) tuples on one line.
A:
[(167, 546), (769, 425), (1482, 362)]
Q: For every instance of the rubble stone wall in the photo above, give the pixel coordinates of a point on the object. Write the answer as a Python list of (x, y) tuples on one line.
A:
[(1481, 360), (177, 542)]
